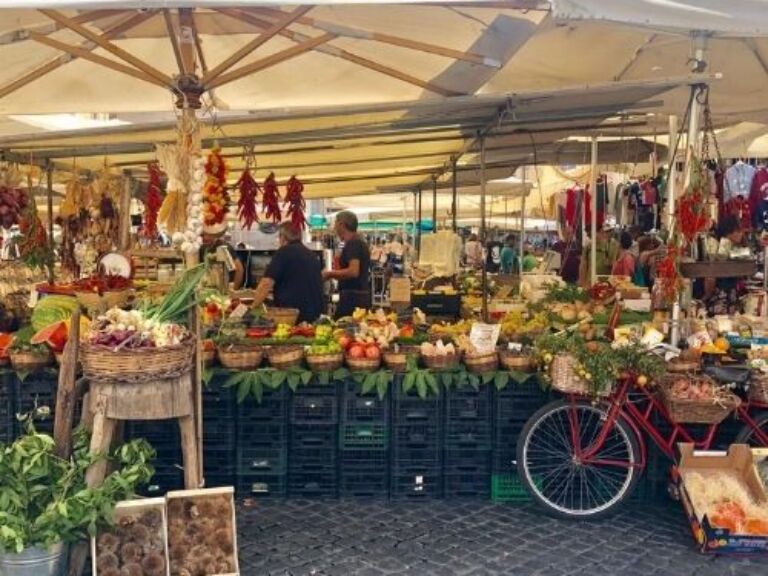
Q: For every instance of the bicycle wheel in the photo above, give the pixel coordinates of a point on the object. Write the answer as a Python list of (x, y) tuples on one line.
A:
[(747, 435), (555, 478)]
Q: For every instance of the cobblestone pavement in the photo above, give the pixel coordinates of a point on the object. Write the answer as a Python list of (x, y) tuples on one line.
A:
[(335, 538)]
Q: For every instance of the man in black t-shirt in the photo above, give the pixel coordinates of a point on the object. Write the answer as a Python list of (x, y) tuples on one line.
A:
[(355, 263), (294, 276)]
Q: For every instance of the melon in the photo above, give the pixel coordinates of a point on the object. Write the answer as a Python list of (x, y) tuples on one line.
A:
[(52, 309), (56, 335)]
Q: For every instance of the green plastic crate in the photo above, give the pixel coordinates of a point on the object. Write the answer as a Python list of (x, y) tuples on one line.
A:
[(508, 488), (363, 436)]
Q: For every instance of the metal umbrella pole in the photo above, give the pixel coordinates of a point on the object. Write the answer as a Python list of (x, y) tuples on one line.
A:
[(434, 204), (454, 193), (593, 223), (671, 172), (522, 225), (484, 278)]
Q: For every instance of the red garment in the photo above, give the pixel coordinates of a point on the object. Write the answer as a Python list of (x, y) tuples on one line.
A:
[(739, 207), (575, 199), (624, 266), (648, 194), (759, 189)]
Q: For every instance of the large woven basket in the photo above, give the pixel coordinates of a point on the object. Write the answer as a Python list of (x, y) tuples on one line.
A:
[(396, 361), (325, 362), (758, 388), (282, 357), (28, 361), (95, 301), (103, 362), (438, 362), (687, 411), (517, 361), (562, 373), (287, 316), (480, 363), (683, 366), (240, 357), (363, 364)]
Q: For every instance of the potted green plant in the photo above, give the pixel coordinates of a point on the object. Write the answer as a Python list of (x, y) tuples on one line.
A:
[(45, 504)]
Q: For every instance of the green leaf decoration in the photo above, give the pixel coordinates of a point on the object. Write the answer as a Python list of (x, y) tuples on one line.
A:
[(324, 378), (501, 380), (474, 381), (431, 381), (408, 381), (340, 374), (257, 389), (278, 377), (488, 377), (447, 379), (421, 385), (382, 384), (411, 363), (462, 379), (293, 381), (305, 376), (369, 382), (207, 376), (243, 388)]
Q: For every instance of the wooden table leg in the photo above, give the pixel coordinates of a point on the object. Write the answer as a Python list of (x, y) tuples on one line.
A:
[(189, 452)]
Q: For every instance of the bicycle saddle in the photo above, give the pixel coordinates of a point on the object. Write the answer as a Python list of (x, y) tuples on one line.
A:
[(728, 374)]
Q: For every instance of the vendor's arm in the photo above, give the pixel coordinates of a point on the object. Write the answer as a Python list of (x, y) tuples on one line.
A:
[(350, 272), (265, 287), (238, 276)]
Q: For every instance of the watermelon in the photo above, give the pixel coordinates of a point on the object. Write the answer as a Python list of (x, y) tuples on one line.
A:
[(54, 335), (53, 309)]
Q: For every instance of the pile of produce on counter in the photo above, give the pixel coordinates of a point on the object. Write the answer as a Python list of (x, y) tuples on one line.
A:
[(723, 499)]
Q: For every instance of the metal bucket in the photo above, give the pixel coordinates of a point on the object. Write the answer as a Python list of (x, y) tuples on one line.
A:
[(35, 562)]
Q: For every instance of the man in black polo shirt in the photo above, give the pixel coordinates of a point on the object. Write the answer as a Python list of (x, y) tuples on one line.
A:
[(354, 267), (294, 276)]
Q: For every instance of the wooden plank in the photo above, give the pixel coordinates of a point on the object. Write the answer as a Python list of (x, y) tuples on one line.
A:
[(174, 40), (108, 46), (59, 61), (66, 394), (343, 54), (271, 60), (186, 41), (285, 20), (197, 388), (87, 55), (352, 32)]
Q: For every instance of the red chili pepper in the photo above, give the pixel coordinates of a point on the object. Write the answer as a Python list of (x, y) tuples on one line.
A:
[(215, 196), (153, 202), (246, 205), (271, 199), (295, 201)]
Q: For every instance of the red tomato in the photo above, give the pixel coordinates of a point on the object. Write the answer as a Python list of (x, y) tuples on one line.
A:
[(345, 341), (357, 351), (372, 352)]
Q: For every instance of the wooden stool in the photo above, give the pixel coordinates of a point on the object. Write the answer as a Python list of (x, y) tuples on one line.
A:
[(111, 402)]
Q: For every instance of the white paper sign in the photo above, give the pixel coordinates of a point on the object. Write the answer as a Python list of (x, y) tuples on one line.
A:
[(484, 337), (239, 311)]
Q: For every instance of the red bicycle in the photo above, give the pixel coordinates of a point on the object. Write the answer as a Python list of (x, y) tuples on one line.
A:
[(581, 458)]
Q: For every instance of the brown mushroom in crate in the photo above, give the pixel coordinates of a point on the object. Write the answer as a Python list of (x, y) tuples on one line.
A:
[(140, 534), (222, 539), (152, 518), (131, 552), (153, 565), (110, 572), (131, 569), (106, 560), (107, 542)]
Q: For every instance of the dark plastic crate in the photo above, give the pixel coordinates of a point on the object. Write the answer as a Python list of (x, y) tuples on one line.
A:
[(409, 408), (467, 461), (163, 482), (312, 461), (315, 403), (416, 436), (313, 436), (508, 488), (218, 479), (517, 402), (467, 436), (358, 407), (468, 405), (313, 485), (255, 485), (164, 437), (361, 460), (273, 408), (467, 485), (36, 391), (219, 415), (364, 485), (364, 435), (7, 408), (416, 483)]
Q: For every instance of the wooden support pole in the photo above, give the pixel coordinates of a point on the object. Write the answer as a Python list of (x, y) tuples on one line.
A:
[(454, 194), (124, 213), (66, 393), (49, 198), (418, 223), (483, 239), (173, 37), (434, 204)]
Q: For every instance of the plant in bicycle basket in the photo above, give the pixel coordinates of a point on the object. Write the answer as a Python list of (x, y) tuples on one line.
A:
[(597, 363)]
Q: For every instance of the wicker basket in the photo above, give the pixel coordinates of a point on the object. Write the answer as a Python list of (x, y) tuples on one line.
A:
[(396, 361), (479, 363), (758, 388), (441, 362), (517, 361), (95, 301), (325, 362), (142, 363), (28, 361), (363, 364), (686, 411), (282, 357), (563, 375), (240, 357), (287, 316)]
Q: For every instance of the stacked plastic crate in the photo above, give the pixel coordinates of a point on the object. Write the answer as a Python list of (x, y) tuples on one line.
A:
[(313, 462), (513, 406), (219, 434), (416, 470), (467, 453), (165, 438), (363, 443), (36, 394), (7, 406), (261, 452)]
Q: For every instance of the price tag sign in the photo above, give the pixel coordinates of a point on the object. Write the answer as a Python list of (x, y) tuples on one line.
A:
[(239, 311), (400, 290), (33, 296), (484, 337)]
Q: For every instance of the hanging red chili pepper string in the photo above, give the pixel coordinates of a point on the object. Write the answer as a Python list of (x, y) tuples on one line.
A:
[(691, 215), (246, 205), (668, 274), (271, 199), (215, 196), (152, 203), (295, 201)]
